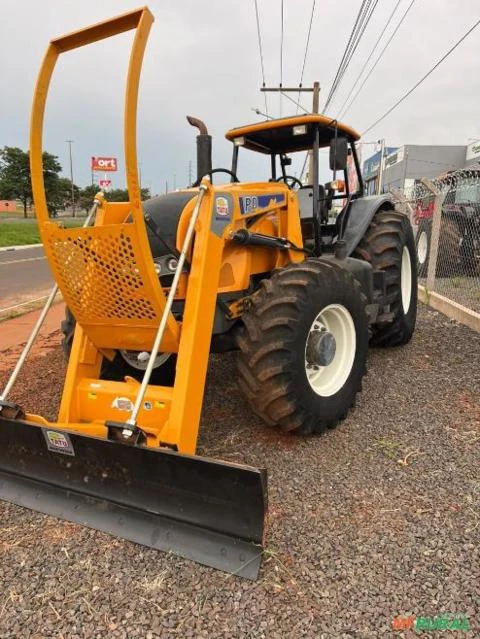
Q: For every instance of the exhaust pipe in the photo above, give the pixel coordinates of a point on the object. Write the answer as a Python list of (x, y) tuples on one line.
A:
[(204, 147)]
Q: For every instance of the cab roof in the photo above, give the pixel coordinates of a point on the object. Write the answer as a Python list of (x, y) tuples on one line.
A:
[(283, 136)]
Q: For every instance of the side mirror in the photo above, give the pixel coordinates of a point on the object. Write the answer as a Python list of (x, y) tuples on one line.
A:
[(338, 153)]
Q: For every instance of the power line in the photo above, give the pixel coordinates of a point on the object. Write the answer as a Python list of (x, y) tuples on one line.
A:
[(261, 52), (379, 57), (362, 31), (306, 49), (281, 55), (365, 14), (435, 66), (295, 102), (371, 53), (362, 6)]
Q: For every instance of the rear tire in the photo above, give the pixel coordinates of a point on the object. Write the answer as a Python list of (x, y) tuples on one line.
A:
[(287, 312), (389, 246), (119, 368)]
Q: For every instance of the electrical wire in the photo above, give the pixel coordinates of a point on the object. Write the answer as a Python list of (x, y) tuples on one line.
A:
[(306, 52), (423, 78), (379, 57), (345, 52), (354, 48), (260, 48), (369, 57), (367, 9), (296, 103)]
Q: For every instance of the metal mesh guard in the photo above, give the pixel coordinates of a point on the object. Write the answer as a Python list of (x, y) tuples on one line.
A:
[(102, 275)]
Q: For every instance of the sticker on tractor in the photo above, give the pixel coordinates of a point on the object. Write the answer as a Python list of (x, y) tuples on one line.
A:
[(222, 209), (250, 203), (122, 403), (58, 442)]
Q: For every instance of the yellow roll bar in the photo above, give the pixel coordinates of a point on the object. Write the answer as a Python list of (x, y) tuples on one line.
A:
[(106, 274), (141, 20)]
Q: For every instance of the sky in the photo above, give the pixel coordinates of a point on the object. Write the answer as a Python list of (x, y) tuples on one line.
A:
[(202, 59)]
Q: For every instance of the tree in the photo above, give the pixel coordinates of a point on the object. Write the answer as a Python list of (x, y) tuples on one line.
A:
[(87, 194), (121, 195), (15, 179), (15, 176), (85, 197), (59, 194)]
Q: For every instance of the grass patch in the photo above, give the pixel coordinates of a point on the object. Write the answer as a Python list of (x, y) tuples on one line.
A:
[(389, 447), (21, 233)]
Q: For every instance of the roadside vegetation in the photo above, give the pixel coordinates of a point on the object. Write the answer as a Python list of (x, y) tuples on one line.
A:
[(22, 233)]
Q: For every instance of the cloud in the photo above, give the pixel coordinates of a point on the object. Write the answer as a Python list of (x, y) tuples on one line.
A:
[(202, 59)]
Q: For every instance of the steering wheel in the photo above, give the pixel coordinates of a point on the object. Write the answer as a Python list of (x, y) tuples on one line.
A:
[(210, 173), (290, 181)]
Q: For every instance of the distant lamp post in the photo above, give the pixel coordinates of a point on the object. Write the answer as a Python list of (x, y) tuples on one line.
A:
[(70, 142)]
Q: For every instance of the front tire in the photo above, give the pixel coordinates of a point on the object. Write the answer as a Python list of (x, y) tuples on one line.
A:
[(125, 363), (304, 346)]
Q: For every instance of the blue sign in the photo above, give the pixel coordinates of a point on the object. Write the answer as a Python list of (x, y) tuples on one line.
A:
[(249, 203)]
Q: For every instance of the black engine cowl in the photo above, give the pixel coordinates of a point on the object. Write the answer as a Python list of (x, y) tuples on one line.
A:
[(164, 212)]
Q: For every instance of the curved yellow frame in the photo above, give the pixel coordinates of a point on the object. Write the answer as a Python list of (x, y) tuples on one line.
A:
[(141, 20)]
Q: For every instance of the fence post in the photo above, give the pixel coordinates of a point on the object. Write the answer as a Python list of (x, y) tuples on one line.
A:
[(403, 204), (435, 236)]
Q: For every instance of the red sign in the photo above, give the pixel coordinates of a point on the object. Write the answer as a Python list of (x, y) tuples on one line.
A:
[(104, 164), (105, 184)]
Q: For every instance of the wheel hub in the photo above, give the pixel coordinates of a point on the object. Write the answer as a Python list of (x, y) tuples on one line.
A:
[(406, 279), (139, 359), (330, 350), (422, 247), (321, 347)]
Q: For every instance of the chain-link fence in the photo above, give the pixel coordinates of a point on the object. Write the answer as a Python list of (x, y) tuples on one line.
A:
[(445, 215)]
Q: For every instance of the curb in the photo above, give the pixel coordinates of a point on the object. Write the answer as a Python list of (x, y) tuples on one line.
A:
[(19, 248)]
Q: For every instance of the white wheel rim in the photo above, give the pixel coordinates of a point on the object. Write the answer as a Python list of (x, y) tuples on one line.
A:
[(406, 279), (139, 359), (328, 380), (422, 247)]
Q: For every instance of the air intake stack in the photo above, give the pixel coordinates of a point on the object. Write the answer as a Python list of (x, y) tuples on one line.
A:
[(204, 147)]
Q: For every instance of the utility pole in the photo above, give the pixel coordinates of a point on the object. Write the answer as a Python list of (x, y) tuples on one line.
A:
[(315, 107), (382, 160), (70, 142), (166, 186)]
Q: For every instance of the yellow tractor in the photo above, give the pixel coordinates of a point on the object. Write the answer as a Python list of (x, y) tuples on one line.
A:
[(265, 268)]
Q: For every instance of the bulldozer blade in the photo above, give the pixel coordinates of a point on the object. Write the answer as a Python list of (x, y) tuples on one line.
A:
[(206, 510)]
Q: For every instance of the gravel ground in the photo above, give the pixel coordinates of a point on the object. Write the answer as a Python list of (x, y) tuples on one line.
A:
[(378, 518)]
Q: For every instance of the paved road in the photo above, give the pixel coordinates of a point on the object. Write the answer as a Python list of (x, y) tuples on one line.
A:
[(24, 274)]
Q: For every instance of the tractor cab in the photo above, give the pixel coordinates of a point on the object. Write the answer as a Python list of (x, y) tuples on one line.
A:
[(284, 137)]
